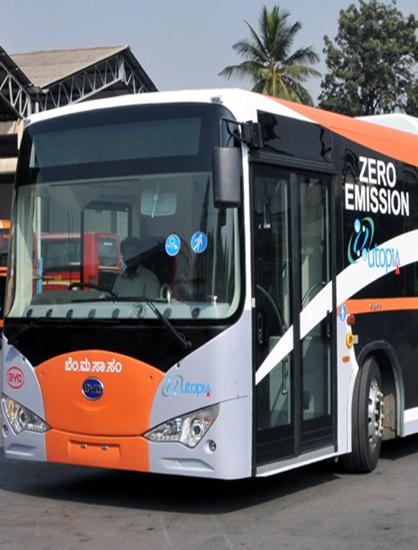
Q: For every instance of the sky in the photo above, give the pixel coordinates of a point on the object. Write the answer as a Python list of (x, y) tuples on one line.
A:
[(181, 44)]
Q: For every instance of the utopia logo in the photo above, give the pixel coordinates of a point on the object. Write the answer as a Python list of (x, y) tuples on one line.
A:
[(361, 239), (384, 258), (377, 257), (176, 385)]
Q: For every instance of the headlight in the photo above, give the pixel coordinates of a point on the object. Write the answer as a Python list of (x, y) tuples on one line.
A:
[(20, 418), (188, 429)]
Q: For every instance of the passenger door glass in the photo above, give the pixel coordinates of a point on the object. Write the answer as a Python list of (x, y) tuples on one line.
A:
[(315, 274), (272, 271), (292, 267)]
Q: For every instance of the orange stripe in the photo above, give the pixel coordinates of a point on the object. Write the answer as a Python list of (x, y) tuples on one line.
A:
[(399, 145), (379, 305)]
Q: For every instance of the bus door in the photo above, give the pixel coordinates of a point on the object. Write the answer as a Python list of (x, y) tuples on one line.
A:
[(293, 321)]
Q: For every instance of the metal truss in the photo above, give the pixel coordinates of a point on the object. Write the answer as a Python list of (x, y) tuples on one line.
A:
[(113, 73), (14, 93), (91, 82)]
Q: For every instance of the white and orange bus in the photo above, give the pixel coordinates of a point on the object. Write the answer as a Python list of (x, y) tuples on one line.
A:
[(283, 240)]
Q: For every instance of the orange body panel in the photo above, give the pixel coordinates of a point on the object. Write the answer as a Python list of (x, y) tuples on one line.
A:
[(379, 305), (126, 453), (387, 141), (115, 420)]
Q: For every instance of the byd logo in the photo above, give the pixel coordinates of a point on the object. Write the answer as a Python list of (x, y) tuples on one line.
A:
[(15, 378)]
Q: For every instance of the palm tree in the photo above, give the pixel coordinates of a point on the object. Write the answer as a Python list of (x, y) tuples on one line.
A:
[(268, 61)]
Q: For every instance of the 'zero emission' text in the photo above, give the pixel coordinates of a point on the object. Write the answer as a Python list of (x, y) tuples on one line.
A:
[(375, 190)]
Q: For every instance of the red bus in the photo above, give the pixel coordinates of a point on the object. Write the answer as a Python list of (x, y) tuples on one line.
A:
[(67, 260)]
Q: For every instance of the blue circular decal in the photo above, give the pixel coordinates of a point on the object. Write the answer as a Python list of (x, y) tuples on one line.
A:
[(172, 245), (199, 242), (361, 240), (92, 389), (343, 312)]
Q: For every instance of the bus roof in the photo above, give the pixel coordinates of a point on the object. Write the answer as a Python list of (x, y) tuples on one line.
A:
[(393, 143), (379, 135), (397, 121)]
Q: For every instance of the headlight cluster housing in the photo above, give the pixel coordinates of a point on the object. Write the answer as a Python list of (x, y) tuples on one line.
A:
[(22, 419), (188, 429)]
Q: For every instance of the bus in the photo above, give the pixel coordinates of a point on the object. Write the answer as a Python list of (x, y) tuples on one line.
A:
[(4, 245), (61, 264), (282, 241)]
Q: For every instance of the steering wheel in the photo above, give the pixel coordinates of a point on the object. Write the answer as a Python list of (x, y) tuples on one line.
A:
[(165, 293)]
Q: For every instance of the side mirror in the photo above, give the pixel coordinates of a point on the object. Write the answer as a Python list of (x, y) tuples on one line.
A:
[(226, 177)]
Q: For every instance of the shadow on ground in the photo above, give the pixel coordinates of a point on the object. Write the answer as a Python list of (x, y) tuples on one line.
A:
[(169, 493), (399, 448)]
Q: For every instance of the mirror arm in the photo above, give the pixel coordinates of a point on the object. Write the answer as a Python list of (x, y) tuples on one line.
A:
[(248, 133)]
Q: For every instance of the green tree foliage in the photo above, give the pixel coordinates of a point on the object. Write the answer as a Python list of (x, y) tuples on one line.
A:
[(371, 60), (268, 60), (412, 100)]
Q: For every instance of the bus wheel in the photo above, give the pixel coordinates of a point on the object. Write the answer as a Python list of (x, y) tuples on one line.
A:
[(367, 419)]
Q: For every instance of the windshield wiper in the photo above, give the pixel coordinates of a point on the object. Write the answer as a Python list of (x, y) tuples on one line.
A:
[(181, 338), (112, 297)]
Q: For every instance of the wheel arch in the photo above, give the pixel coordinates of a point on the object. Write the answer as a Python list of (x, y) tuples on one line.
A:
[(393, 386)]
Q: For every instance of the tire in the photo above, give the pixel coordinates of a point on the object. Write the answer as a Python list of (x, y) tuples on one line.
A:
[(367, 419)]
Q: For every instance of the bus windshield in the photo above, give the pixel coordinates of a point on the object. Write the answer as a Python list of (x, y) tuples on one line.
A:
[(114, 208)]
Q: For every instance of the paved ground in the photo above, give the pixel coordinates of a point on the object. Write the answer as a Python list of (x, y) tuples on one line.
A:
[(53, 507), (46, 506)]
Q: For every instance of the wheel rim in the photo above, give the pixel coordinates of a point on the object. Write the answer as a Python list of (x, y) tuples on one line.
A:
[(375, 414)]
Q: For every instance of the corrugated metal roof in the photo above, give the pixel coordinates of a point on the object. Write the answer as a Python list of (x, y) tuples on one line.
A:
[(13, 68), (46, 67)]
